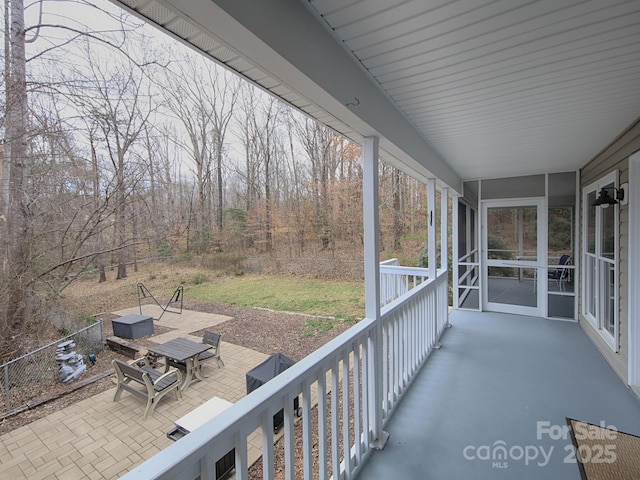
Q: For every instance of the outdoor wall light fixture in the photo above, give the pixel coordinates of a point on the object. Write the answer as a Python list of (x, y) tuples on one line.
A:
[(604, 199)]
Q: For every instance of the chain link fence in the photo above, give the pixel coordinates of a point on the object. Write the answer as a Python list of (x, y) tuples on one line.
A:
[(35, 374)]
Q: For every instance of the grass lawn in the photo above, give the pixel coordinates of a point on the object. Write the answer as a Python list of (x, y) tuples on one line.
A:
[(341, 299)]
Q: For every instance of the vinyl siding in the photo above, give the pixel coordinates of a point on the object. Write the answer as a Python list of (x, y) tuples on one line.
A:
[(615, 157)]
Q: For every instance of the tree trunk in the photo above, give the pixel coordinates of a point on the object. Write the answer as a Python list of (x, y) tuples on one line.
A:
[(397, 221), (134, 234), (103, 273), (121, 211), (16, 236), (6, 160), (267, 201), (219, 186)]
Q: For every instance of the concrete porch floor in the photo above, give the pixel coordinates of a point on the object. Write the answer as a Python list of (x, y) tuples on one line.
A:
[(502, 380), (99, 439)]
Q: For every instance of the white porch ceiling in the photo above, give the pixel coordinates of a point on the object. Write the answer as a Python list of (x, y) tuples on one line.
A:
[(502, 87), (455, 89)]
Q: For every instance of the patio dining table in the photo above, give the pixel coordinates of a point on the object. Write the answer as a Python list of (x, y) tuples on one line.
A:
[(182, 351)]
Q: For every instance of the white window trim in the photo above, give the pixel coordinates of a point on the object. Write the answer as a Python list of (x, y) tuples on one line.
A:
[(597, 323)]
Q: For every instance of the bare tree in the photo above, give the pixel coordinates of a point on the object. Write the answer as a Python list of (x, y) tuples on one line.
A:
[(265, 125), (15, 208), (226, 90), (397, 207), (318, 142), (249, 139), (202, 98), (117, 98), (45, 219), (89, 171), (297, 169)]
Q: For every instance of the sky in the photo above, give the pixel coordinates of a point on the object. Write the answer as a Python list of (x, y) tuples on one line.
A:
[(102, 16)]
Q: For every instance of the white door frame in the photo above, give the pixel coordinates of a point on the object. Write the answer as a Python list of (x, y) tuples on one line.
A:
[(539, 264), (633, 193)]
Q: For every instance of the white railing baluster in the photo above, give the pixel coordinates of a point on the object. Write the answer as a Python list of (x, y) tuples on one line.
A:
[(431, 326), (402, 350), (289, 440), (397, 355), (425, 326), (366, 424), (323, 460), (406, 342), (335, 420), (385, 369), (412, 338), (417, 319), (391, 363), (207, 466), (434, 319), (346, 423), (268, 470), (357, 402), (307, 441), (242, 454), (420, 319), (400, 356), (413, 321)]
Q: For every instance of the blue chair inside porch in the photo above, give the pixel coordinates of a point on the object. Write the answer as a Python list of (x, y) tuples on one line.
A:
[(562, 273)]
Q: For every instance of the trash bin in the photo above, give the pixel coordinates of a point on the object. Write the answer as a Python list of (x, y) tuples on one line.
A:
[(261, 374)]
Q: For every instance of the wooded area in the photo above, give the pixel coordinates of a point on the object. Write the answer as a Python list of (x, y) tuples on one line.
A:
[(121, 144)]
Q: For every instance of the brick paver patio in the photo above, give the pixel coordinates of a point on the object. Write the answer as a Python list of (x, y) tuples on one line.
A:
[(99, 439)]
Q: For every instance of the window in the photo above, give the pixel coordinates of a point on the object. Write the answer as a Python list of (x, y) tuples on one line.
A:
[(600, 262)]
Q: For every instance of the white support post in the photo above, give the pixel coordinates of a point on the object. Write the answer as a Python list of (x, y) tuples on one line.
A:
[(371, 202), (444, 235), (431, 227), (431, 242), (444, 229), (632, 192), (455, 244)]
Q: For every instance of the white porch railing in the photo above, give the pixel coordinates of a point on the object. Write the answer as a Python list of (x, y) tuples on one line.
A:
[(412, 325), (395, 280), (342, 370)]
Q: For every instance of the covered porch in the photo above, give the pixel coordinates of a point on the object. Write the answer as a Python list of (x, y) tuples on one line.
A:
[(498, 380), (447, 394), (502, 380), (465, 97)]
